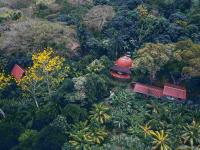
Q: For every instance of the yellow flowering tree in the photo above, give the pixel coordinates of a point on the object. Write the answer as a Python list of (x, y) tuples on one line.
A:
[(45, 75), (4, 80)]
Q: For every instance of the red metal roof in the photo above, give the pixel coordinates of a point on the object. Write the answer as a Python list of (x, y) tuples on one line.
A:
[(17, 72), (175, 91), (120, 76), (124, 61), (148, 90)]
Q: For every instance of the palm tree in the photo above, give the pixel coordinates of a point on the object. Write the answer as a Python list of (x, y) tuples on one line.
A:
[(120, 118), (160, 140), (79, 137), (100, 113), (84, 136), (98, 135), (146, 128), (191, 134)]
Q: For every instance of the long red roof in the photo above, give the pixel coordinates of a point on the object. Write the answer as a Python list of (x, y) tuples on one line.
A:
[(148, 90), (175, 91), (17, 72)]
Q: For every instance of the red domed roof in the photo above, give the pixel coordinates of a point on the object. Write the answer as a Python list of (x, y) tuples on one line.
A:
[(124, 61)]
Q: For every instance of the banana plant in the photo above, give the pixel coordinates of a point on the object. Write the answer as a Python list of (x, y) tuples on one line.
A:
[(160, 140), (100, 113), (146, 128), (79, 136), (191, 135), (98, 135), (83, 136)]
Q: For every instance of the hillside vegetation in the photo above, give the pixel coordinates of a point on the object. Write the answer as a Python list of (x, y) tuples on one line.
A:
[(67, 99)]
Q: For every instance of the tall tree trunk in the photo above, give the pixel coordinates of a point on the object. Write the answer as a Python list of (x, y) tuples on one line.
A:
[(152, 78), (34, 97)]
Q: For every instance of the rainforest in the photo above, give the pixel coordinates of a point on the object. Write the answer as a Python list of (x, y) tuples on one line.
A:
[(99, 75)]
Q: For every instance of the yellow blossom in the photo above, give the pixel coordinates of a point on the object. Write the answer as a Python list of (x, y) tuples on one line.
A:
[(4, 80), (45, 75)]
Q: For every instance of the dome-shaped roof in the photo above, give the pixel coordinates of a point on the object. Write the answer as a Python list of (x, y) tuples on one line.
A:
[(124, 61)]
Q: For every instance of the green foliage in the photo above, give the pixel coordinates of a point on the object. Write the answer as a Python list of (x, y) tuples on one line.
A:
[(26, 139), (188, 53), (27, 135), (124, 141), (9, 134), (44, 116), (50, 138), (152, 57), (60, 122), (78, 105), (74, 113), (97, 87)]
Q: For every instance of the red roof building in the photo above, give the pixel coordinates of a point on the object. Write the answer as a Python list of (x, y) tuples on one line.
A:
[(122, 67), (17, 72), (174, 91), (147, 90), (124, 61)]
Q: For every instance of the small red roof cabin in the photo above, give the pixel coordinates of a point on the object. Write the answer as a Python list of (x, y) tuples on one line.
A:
[(175, 91), (17, 72), (147, 90)]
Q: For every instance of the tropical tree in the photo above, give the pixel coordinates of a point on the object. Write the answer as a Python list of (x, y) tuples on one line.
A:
[(97, 135), (188, 54), (146, 129), (96, 87), (123, 100), (190, 135), (84, 136), (79, 138), (44, 76), (28, 134), (160, 140), (100, 113), (125, 142), (120, 118), (152, 58)]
